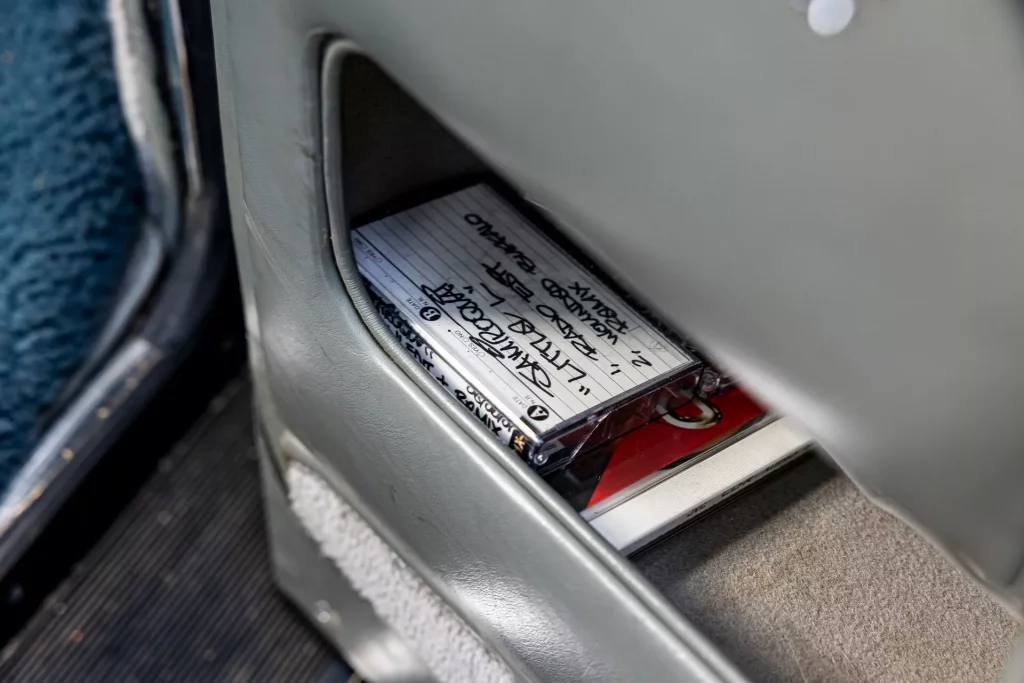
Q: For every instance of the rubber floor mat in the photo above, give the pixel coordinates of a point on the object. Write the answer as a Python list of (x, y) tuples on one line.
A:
[(179, 588)]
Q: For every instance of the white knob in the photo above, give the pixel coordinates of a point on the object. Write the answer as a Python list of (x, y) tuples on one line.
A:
[(829, 17)]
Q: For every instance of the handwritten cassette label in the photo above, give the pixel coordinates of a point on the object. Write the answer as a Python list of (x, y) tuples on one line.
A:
[(536, 334)]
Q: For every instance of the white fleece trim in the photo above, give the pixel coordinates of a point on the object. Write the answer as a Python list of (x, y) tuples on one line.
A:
[(451, 650)]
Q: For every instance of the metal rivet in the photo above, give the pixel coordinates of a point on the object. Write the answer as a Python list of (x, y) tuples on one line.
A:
[(830, 17), (323, 612)]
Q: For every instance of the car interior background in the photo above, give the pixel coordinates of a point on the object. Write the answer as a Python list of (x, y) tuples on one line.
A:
[(238, 441)]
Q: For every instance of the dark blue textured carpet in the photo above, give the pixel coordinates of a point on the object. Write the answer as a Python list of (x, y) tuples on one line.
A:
[(70, 203)]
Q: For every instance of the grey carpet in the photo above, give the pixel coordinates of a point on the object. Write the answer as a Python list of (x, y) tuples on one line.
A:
[(804, 580), (179, 588)]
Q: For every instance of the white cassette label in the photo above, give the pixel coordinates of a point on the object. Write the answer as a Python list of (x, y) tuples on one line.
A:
[(509, 309)]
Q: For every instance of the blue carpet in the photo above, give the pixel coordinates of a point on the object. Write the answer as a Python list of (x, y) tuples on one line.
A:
[(70, 204)]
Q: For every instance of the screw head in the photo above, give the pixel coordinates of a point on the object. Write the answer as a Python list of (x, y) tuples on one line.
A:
[(323, 611), (830, 17)]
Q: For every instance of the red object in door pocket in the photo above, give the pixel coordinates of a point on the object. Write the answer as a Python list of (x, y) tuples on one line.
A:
[(680, 435)]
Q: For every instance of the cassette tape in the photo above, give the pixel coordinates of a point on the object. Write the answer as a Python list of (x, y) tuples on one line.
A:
[(540, 349)]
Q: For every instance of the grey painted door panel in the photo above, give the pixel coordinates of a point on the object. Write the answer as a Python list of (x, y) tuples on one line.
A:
[(840, 218), (511, 557)]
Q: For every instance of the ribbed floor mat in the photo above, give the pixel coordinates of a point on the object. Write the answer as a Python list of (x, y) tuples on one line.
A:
[(179, 589)]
